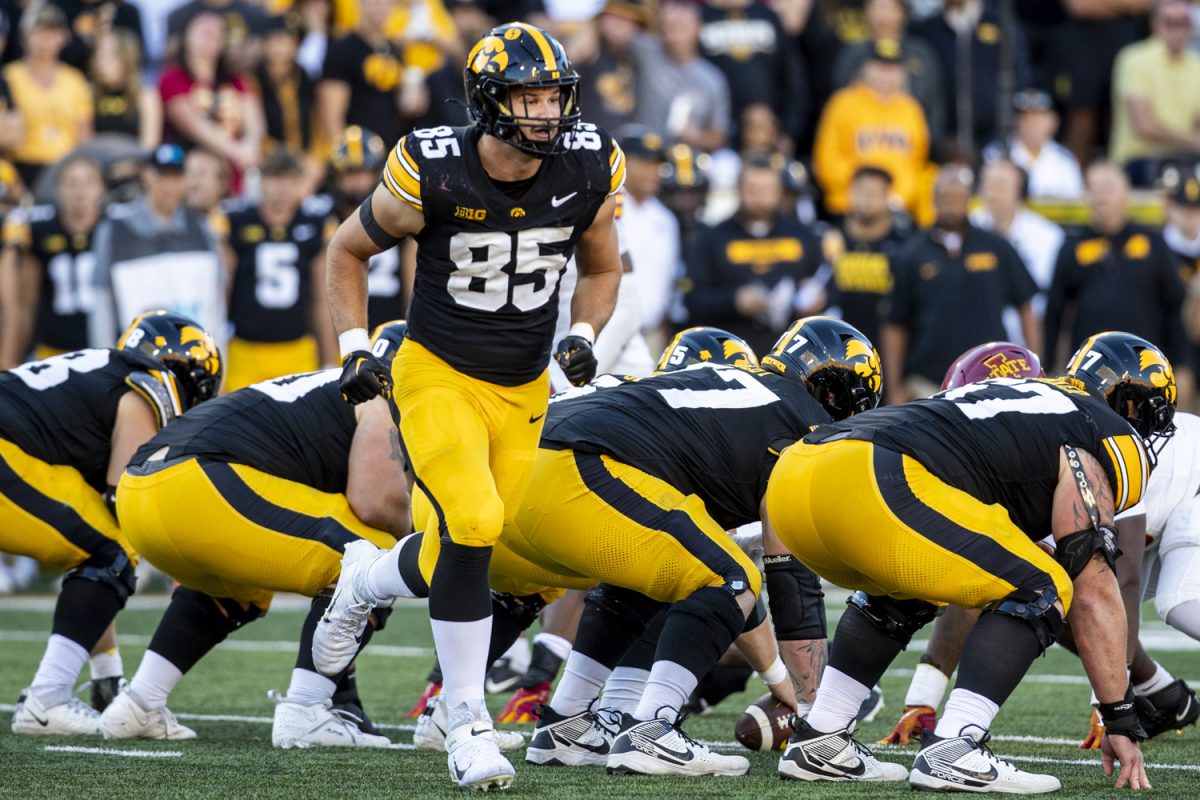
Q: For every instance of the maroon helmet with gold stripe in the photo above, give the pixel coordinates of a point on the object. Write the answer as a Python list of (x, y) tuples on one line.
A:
[(993, 360)]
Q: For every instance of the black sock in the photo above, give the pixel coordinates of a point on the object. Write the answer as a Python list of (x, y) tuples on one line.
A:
[(640, 654), (997, 654), (193, 624), (861, 650), (460, 590), (84, 611), (543, 667), (304, 658), (699, 629)]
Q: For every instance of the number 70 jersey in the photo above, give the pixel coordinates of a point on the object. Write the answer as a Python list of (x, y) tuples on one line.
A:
[(999, 441), (490, 255)]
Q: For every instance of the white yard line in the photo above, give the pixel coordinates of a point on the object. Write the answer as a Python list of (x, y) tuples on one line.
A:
[(243, 645), (109, 751), (721, 745)]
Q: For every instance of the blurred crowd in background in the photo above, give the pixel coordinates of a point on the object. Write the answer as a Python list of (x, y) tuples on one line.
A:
[(940, 173)]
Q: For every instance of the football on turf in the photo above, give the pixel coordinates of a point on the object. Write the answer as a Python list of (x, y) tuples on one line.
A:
[(766, 725)]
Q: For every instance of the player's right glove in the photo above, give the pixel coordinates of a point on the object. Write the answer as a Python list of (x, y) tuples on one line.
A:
[(364, 376), (915, 722), (574, 355)]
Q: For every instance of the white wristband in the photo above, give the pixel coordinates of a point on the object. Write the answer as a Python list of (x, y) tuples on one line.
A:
[(354, 339), (775, 673), (583, 329)]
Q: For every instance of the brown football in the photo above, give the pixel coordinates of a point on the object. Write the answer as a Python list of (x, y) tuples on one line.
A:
[(766, 725)]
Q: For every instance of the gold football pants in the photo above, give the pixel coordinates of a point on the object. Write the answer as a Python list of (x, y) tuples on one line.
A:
[(229, 530), (255, 362), (592, 517), (49, 513), (865, 517), (470, 443)]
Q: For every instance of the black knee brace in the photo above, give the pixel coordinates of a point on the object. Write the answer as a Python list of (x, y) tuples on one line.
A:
[(624, 604), (700, 628), (1037, 610), (898, 619), (523, 610), (797, 602), (194, 623), (110, 566)]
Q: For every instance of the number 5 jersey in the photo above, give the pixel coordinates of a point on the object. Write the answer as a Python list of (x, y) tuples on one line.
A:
[(491, 253)]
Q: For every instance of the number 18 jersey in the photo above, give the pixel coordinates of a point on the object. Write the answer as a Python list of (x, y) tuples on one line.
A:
[(490, 256), (999, 441)]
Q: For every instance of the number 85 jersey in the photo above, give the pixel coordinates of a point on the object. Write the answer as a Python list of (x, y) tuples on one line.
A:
[(491, 254), (999, 441)]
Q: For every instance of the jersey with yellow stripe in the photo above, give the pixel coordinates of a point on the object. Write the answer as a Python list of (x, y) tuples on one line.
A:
[(1000, 440), (62, 410), (491, 254)]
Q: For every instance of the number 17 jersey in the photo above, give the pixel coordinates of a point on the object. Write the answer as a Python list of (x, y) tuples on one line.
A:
[(999, 441), (490, 255)]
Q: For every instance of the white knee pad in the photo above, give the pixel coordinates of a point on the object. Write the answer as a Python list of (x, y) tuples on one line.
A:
[(1178, 568)]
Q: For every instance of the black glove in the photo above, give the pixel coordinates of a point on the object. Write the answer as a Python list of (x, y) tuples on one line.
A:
[(364, 376), (574, 355)]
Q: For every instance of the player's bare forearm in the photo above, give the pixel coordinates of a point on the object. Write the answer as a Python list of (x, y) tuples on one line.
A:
[(949, 635), (757, 646), (1131, 538), (598, 258), (376, 485), (1098, 621)]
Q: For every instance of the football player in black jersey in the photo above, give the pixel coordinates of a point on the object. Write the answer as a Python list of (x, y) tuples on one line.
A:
[(497, 209), (46, 268), (940, 502), (358, 159), (289, 474), (68, 426), (277, 295)]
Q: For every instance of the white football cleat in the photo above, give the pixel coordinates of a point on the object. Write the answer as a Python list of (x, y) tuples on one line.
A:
[(965, 764), (340, 629), (656, 747), (301, 727), (125, 718), (69, 718), (583, 739), (474, 758), (433, 723), (814, 756)]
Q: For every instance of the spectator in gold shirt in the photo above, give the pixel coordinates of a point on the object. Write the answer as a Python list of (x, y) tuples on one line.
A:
[(874, 123)]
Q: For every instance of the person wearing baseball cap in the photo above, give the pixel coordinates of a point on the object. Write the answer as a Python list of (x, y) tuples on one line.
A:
[(1051, 168)]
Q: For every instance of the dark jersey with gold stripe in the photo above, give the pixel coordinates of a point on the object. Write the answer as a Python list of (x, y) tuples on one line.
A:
[(67, 263), (296, 427), (999, 441), (62, 409), (271, 300), (713, 431), (490, 255)]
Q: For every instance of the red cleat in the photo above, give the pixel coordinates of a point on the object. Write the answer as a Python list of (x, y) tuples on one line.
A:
[(521, 705), (431, 690), (915, 722)]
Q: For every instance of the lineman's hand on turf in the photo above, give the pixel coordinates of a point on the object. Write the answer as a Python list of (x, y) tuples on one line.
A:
[(364, 376), (1133, 764), (574, 355)]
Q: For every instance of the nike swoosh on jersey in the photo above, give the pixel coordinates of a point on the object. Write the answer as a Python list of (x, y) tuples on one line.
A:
[(558, 201), (533, 419)]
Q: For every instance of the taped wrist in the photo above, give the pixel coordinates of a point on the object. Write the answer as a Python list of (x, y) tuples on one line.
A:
[(796, 600), (1121, 718), (1074, 551), (382, 239)]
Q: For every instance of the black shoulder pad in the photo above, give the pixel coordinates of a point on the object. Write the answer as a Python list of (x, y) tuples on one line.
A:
[(159, 390)]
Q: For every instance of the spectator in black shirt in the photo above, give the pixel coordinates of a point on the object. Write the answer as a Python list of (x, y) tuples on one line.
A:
[(746, 41), (951, 286), (123, 104), (972, 93), (1115, 276), (89, 19), (288, 96), (362, 78), (745, 273), (607, 88), (861, 251)]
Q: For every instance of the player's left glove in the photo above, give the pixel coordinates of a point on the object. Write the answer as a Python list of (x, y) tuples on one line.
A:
[(364, 376), (574, 355)]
